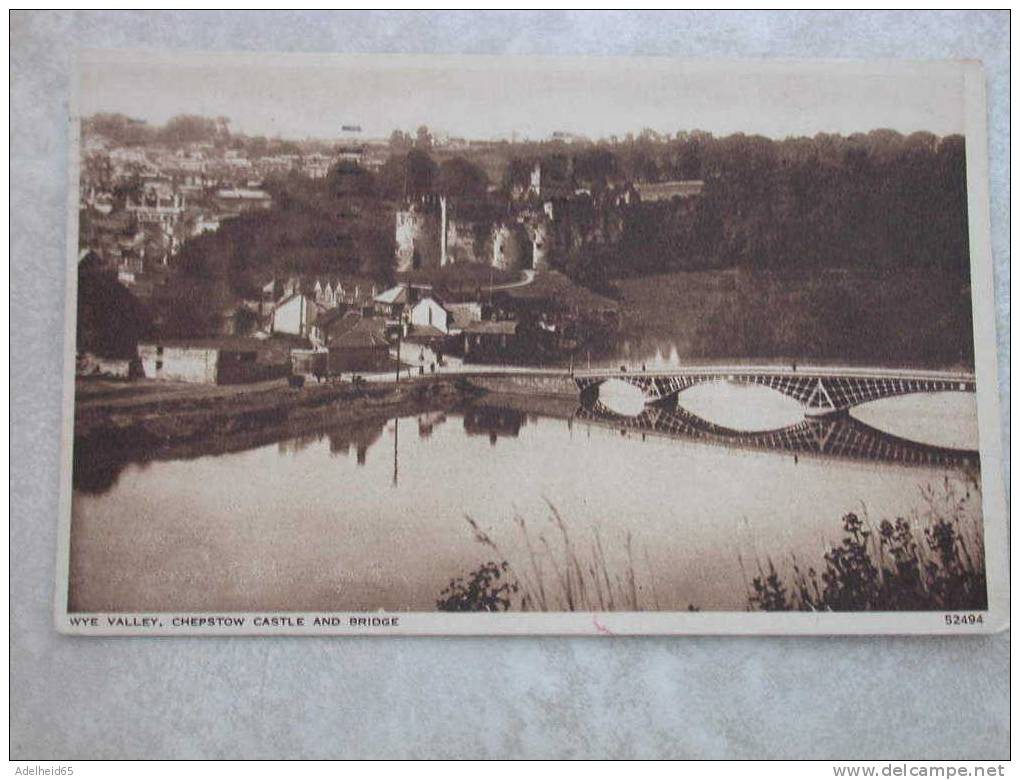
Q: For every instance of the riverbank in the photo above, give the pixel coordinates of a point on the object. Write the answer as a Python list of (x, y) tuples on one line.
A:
[(119, 422)]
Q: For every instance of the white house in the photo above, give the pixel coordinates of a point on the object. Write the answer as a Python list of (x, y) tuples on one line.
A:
[(295, 314), (428, 312)]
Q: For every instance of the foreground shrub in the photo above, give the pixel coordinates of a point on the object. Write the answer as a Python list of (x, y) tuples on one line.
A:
[(931, 562), (896, 567), (484, 590)]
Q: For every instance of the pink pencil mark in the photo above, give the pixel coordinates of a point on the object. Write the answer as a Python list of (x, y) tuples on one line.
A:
[(599, 627)]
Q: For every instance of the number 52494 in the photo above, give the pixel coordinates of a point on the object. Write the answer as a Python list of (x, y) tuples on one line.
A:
[(969, 619)]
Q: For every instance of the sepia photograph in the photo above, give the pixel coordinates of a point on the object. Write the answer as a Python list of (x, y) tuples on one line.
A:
[(496, 345)]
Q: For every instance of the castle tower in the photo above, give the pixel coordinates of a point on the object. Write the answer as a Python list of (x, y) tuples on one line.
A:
[(420, 237)]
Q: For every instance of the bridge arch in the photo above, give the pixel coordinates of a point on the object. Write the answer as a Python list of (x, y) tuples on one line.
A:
[(820, 393)]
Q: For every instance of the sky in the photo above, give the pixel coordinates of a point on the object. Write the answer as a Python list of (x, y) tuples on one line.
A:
[(300, 96)]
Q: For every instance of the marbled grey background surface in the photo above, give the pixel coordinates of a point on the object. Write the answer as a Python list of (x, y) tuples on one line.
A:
[(273, 698)]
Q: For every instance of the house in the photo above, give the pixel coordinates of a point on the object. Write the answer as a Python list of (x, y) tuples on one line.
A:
[(308, 362), (220, 361), (351, 153), (392, 302), (430, 313), (490, 338), (362, 347), (89, 364), (158, 203), (334, 323), (205, 224), (295, 315), (234, 200)]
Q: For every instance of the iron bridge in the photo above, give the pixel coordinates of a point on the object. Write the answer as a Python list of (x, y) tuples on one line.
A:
[(821, 392)]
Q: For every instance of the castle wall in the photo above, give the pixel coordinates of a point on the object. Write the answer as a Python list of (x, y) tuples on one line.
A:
[(428, 235), (511, 247), (417, 239), (468, 242)]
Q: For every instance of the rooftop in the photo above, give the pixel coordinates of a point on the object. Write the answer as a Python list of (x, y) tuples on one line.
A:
[(369, 332), (425, 332), (393, 295), (667, 190), (243, 194), (222, 343)]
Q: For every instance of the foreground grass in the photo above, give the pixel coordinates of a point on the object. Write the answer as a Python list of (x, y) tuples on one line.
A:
[(560, 574), (933, 561)]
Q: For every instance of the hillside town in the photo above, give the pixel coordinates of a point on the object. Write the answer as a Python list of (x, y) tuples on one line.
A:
[(206, 255), (472, 272)]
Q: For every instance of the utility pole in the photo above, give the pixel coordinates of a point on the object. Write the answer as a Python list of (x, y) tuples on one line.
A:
[(400, 333), (396, 432)]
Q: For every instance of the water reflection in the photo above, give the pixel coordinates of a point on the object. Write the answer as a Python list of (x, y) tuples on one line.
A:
[(840, 436), (493, 422), (429, 421), (294, 526), (97, 461), (939, 419)]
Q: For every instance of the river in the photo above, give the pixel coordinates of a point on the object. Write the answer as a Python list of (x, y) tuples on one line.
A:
[(376, 516)]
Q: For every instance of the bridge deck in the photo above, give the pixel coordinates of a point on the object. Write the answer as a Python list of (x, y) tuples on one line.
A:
[(809, 370)]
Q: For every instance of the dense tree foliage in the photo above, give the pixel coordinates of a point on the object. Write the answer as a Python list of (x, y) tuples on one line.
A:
[(407, 175), (179, 130), (879, 201), (314, 227), (460, 178), (423, 139), (110, 319), (348, 179)]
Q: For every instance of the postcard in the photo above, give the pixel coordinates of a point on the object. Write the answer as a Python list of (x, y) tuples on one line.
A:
[(515, 345)]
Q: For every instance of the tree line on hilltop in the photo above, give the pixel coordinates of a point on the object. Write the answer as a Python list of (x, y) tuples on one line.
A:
[(186, 129)]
